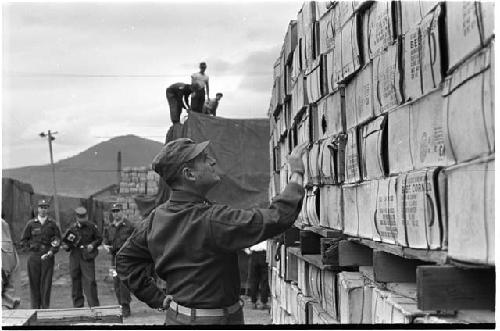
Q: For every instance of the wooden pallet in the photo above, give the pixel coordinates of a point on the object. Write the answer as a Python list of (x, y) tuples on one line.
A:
[(18, 317)]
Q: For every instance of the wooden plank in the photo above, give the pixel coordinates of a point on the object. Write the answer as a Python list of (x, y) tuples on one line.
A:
[(408, 290), (18, 317), (367, 272), (329, 250), (438, 257), (325, 232), (315, 260), (389, 268), (102, 314), (352, 254), (309, 242), (449, 287)]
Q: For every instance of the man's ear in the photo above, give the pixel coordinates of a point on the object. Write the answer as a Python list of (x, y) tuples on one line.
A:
[(188, 175)]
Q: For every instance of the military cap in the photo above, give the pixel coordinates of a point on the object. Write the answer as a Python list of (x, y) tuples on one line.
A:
[(174, 154), (43, 202), (81, 211), (116, 206)]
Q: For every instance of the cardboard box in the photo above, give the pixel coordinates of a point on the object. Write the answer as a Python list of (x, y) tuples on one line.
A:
[(410, 15), (313, 81), (422, 62), (327, 32), (337, 59), (306, 19), (315, 312), (381, 27), (469, 107), (314, 163), (343, 11), (339, 145), (329, 66), (351, 49), (387, 79), (349, 201), (374, 148), (303, 276), (289, 297), (354, 306), (326, 164), (294, 293), (296, 67), (331, 114), (418, 215), (283, 178), (291, 39), (282, 296), (359, 98), (386, 228), (312, 206), (299, 97), (303, 303), (366, 202), (352, 159), (328, 296), (471, 211), (303, 129), (331, 212), (314, 283), (464, 19), (417, 137)]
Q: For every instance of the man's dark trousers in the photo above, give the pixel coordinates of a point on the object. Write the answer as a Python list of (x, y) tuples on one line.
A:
[(175, 104), (259, 277), (40, 278), (82, 273)]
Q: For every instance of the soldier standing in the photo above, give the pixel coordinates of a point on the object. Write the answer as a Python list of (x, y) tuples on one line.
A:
[(42, 237), (115, 236), (82, 239), (199, 79)]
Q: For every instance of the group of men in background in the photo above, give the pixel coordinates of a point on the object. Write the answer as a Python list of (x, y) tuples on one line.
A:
[(42, 238), (178, 96)]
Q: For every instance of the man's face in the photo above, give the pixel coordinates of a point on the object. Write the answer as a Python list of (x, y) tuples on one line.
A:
[(203, 68), (204, 171), (218, 97), (117, 214), (43, 210)]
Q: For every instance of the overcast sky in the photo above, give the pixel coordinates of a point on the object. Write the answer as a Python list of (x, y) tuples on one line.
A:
[(92, 71)]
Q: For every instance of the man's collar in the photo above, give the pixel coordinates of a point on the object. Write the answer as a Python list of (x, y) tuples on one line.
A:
[(186, 196)]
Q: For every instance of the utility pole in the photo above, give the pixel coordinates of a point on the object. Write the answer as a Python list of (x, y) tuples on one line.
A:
[(50, 138)]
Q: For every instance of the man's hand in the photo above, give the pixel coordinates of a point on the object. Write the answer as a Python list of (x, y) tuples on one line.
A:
[(90, 247), (166, 302), (248, 251), (295, 163), (107, 247), (47, 255)]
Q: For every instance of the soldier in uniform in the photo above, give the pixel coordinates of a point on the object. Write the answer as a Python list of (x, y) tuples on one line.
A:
[(82, 239), (115, 236), (192, 243), (42, 237)]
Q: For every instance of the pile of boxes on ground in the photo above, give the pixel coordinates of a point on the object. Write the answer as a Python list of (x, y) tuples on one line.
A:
[(396, 101), (134, 181)]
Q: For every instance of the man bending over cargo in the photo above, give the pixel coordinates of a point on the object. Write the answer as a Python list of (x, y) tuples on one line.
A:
[(192, 243), (177, 97)]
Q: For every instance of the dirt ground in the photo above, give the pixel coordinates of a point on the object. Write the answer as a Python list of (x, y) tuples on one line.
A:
[(141, 313)]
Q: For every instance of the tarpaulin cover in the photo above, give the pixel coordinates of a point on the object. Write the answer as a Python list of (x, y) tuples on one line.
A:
[(241, 148)]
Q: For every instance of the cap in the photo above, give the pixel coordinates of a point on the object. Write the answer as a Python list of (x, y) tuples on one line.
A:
[(174, 154), (116, 206), (81, 211), (43, 202)]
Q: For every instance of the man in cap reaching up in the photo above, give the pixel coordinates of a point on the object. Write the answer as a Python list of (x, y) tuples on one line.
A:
[(82, 239), (42, 237), (192, 243)]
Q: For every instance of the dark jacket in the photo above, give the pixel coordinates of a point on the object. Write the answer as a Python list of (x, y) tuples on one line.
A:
[(192, 244), (41, 238), (116, 236)]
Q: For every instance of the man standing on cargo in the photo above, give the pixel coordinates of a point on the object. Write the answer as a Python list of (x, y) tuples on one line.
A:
[(42, 237), (192, 243), (82, 239), (199, 79), (177, 96), (115, 236)]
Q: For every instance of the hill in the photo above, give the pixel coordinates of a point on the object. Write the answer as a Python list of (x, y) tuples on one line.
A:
[(91, 170)]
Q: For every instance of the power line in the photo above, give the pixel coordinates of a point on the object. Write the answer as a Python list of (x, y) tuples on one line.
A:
[(78, 75)]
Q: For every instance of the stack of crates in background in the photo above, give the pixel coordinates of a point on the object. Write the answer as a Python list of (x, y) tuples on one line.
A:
[(135, 181), (396, 102)]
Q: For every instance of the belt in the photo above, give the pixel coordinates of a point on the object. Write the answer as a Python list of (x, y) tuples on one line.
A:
[(216, 312)]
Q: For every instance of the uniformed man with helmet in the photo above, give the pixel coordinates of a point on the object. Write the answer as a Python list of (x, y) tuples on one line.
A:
[(192, 243), (42, 237), (83, 239)]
